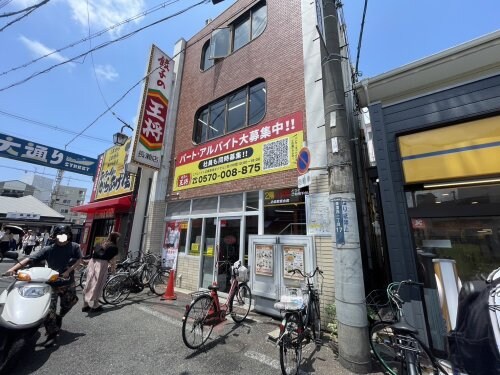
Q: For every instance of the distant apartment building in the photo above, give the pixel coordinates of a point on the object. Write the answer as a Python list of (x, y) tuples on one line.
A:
[(43, 186), (16, 189), (68, 197)]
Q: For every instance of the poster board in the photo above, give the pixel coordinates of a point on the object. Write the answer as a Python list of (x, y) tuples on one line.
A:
[(293, 258), (264, 260)]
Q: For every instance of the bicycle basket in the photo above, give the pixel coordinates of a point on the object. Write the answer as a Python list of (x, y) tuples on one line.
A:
[(378, 306), (241, 274)]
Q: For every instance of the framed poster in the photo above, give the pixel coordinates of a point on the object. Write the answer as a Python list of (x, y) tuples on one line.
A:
[(264, 260), (293, 258)]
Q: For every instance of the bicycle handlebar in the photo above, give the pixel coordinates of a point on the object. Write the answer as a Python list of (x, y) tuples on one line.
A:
[(308, 275), (393, 290)]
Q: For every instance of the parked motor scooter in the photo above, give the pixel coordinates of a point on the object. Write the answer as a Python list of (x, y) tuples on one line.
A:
[(24, 304)]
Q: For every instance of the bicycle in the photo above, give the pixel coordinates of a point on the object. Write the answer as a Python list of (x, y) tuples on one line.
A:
[(395, 343), (301, 320), (158, 281), (206, 311), (119, 286)]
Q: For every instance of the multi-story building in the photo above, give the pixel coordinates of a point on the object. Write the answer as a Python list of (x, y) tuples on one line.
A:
[(250, 99), (16, 188), (68, 197), (43, 186)]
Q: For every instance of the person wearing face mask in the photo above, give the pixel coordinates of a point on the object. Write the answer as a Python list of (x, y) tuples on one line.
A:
[(58, 256)]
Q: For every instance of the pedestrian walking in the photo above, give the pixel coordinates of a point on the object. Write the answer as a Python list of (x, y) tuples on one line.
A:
[(104, 255), (5, 239), (30, 241), (58, 257)]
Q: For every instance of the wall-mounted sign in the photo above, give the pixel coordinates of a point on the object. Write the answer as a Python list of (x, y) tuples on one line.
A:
[(283, 196), (150, 132), (112, 179), (23, 216), (304, 180), (345, 219), (267, 148), (36, 153), (318, 214)]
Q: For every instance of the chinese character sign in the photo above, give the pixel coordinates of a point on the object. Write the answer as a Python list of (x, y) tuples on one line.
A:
[(151, 129), (112, 179), (267, 148), (36, 153)]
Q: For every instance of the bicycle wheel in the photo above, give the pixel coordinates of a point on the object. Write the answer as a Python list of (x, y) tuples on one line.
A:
[(146, 274), (291, 346), (194, 331), (390, 349), (315, 321), (83, 279), (241, 303), (159, 282), (116, 289)]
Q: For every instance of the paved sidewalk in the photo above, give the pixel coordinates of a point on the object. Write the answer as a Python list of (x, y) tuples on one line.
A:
[(321, 360)]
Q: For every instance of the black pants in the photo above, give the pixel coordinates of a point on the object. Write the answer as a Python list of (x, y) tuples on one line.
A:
[(28, 249)]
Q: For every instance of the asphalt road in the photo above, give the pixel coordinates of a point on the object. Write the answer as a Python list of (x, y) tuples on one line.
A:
[(143, 336)]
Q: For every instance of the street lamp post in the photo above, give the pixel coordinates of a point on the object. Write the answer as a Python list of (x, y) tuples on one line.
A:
[(120, 138)]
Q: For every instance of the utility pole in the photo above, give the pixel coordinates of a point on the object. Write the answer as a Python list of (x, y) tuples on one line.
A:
[(354, 353)]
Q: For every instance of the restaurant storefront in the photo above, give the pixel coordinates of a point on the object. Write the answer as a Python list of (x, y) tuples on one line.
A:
[(214, 231), (437, 146), (112, 201)]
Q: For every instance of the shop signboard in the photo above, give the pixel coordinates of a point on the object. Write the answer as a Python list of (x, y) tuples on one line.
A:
[(283, 196), (150, 132), (256, 151), (36, 153), (112, 179)]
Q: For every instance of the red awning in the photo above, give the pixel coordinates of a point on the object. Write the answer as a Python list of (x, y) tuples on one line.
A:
[(121, 203)]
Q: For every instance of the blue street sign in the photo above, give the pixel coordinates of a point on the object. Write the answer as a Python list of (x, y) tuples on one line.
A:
[(303, 160), (35, 153)]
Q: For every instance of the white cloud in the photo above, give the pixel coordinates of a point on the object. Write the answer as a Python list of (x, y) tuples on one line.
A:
[(25, 3), (38, 49), (105, 13), (106, 72)]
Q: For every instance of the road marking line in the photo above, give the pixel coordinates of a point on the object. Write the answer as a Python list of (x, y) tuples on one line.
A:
[(159, 315), (262, 358)]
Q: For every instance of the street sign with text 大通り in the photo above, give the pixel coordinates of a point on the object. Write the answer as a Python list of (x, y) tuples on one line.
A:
[(36, 153)]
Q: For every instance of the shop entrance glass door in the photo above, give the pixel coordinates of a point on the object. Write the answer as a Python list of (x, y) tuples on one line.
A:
[(228, 250), (208, 252)]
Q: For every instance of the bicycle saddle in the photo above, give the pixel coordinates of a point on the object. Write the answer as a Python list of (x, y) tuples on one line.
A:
[(213, 287), (404, 327)]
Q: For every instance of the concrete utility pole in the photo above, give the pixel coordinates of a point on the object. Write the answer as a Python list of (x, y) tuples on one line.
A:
[(354, 353)]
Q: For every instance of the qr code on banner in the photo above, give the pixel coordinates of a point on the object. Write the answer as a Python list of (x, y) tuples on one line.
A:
[(275, 154)]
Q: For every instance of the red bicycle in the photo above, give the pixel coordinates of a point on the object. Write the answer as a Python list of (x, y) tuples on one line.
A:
[(205, 311)]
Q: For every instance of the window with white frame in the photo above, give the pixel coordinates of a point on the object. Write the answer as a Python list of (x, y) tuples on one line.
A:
[(236, 35), (244, 107)]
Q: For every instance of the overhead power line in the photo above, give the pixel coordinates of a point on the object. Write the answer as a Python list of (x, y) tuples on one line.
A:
[(92, 36), (42, 173), (243, 8), (100, 46), (53, 127), (33, 7)]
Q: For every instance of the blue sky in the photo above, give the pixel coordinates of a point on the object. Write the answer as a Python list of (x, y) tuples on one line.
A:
[(396, 32)]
